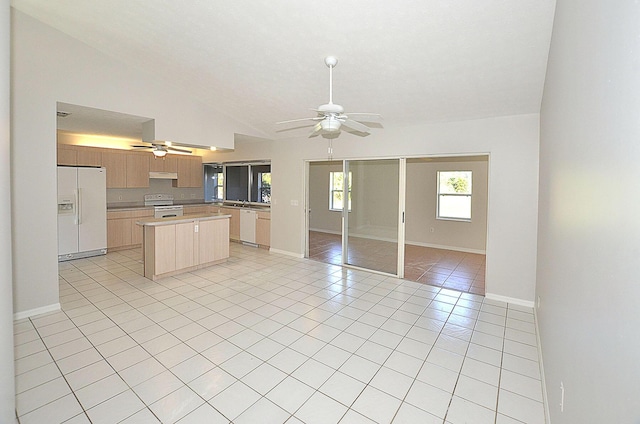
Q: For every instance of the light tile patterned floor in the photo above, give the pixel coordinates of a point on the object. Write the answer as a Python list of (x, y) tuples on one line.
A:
[(267, 338)]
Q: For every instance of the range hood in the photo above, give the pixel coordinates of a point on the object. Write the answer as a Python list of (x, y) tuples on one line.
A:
[(163, 175)]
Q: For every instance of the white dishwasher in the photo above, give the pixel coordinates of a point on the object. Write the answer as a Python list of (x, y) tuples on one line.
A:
[(248, 226)]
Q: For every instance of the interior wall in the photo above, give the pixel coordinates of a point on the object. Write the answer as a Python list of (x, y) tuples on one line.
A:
[(7, 379), (421, 205), (589, 233), (512, 143), (47, 67)]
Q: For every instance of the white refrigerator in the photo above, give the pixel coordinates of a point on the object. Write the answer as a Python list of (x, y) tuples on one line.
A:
[(82, 212)]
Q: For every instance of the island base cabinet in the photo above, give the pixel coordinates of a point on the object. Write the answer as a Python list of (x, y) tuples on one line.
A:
[(181, 247), (164, 259), (185, 247), (213, 240)]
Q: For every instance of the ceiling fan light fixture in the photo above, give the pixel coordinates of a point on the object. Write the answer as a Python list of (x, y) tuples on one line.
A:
[(159, 153), (330, 125)]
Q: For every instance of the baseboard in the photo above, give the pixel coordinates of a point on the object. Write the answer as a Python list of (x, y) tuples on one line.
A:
[(545, 397), (512, 300), (443, 247), (285, 252), (36, 311)]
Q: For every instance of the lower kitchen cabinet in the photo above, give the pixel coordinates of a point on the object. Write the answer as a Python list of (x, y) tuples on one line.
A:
[(164, 259), (179, 245), (263, 229), (122, 231), (185, 245), (213, 240), (234, 222)]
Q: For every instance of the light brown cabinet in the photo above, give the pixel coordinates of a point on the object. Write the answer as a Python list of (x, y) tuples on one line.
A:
[(186, 255), (137, 173), (89, 156), (263, 229), (122, 231), (67, 155), (129, 169), (172, 248), (213, 240), (115, 162), (234, 222), (71, 155), (163, 242), (167, 164), (189, 171)]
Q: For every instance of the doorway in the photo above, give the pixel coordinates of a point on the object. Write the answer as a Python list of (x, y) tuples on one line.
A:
[(438, 250)]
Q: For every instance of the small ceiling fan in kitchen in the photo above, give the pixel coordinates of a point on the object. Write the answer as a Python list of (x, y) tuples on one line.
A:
[(160, 150), (332, 118)]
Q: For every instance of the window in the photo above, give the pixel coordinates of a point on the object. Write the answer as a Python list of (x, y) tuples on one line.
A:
[(264, 187), (336, 191), (213, 182), (454, 195)]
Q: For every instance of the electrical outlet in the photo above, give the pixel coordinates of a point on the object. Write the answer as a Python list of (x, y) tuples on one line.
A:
[(432, 230), (561, 397), (538, 303), (119, 197)]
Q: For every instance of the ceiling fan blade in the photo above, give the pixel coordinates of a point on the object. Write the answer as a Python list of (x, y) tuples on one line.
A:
[(298, 120), (175, 149), (365, 117), (356, 126), (142, 147), (317, 129)]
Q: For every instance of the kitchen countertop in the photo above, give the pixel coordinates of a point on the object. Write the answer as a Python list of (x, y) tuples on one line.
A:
[(156, 222), (137, 207)]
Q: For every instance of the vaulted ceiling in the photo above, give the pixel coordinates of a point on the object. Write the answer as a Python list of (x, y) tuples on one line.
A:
[(413, 61)]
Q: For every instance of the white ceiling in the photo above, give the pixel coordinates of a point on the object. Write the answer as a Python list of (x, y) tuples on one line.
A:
[(413, 61)]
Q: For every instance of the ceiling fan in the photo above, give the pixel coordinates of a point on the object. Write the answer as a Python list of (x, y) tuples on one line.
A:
[(161, 150), (331, 117)]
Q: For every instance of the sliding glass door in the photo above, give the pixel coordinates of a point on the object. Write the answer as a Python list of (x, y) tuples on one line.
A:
[(373, 236)]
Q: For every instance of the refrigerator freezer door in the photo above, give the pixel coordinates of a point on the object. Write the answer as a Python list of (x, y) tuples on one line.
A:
[(92, 209), (67, 211)]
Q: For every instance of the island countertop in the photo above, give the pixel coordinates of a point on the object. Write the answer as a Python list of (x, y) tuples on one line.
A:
[(156, 222)]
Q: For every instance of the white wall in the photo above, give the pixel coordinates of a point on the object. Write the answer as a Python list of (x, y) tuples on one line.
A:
[(589, 232), (422, 200), (420, 206), (47, 67), (7, 389), (512, 143)]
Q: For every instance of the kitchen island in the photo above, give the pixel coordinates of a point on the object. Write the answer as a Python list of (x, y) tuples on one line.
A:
[(180, 244)]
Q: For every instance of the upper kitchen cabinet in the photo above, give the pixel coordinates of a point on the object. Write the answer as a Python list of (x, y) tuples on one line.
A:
[(167, 164), (89, 156), (189, 171), (137, 174), (115, 161), (70, 155), (67, 155)]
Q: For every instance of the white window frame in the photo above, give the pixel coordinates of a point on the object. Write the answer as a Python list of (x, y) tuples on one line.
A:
[(440, 195), (333, 190)]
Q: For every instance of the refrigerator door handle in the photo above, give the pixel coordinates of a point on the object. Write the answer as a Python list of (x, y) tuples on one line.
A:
[(79, 207)]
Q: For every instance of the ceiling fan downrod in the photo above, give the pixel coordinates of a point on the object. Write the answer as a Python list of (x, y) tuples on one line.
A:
[(331, 62)]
